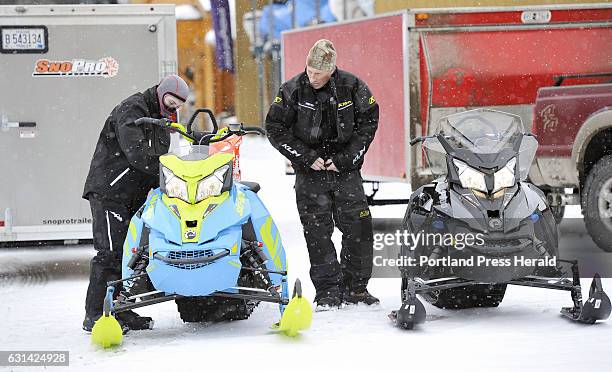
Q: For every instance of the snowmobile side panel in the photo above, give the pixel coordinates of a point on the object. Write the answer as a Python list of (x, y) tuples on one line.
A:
[(158, 217), (132, 241), (267, 232)]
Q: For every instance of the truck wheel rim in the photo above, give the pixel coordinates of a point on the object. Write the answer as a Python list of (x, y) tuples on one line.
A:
[(605, 203)]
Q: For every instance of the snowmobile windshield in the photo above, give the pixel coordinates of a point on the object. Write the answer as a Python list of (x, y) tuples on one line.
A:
[(480, 131), (192, 152), (527, 153), (436, 156), (185, 150)]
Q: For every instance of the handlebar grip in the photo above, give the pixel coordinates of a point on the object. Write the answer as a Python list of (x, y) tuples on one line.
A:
[(151, 121), (27, 124), (415, 140), (255, 129)]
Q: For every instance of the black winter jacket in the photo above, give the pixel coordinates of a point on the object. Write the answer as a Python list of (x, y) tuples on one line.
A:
[(293, 122), (125, 164)]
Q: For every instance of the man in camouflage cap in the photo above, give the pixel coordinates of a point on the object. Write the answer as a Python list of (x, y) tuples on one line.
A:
[(323, 120), (322, 56)]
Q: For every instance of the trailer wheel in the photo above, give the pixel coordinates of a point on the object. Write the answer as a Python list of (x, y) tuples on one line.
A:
[(597, 203)]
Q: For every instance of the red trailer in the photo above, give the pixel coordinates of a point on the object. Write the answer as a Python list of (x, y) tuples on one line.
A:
[(423, 64), (427, 63)]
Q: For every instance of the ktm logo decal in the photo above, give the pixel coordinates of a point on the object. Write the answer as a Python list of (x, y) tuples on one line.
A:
[(106, 67)]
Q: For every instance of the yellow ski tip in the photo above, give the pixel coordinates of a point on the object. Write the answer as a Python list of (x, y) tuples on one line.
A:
[(296, 317), (106, 332)]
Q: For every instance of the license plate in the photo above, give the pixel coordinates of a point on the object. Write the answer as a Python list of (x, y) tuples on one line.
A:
[(24, 39)]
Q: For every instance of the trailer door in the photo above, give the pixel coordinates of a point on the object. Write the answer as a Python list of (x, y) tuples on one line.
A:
[(61, 75)]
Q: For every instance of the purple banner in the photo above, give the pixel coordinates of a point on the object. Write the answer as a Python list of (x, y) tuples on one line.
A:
[(224, 54)]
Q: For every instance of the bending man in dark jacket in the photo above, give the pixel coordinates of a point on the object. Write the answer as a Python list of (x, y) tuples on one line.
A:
[(323, 120), (124, 167)]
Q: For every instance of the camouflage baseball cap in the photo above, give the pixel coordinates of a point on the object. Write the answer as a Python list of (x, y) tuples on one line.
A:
[(322, 55)]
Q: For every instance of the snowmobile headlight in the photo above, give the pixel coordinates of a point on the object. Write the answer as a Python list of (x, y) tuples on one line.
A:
[(212, 185), (499, 194), (470, 178), (505, 177), (174, 186)]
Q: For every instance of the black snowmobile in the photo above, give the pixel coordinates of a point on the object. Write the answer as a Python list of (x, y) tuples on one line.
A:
[(481, 159)]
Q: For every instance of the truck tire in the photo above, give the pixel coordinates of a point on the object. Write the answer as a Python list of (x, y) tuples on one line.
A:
[(479, 295), (597, 203)]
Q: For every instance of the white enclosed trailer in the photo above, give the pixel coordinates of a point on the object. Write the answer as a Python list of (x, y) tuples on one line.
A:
[(62, 70)]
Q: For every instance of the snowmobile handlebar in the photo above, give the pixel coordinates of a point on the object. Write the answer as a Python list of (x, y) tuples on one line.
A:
[(254, 130), (163, 123), (149, 121), (416, 140), (419, 139), (232, 130), (203, 137)]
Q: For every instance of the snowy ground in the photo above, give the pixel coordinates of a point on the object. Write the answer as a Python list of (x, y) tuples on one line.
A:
[(526, 332)]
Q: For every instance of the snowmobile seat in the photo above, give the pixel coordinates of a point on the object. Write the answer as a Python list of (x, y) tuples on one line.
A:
[(253, 186)]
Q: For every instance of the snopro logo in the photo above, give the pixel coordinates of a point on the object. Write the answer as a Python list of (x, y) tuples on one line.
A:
[(106, 67)]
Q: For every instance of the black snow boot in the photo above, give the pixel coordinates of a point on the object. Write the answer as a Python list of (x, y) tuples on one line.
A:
[(360, 297), (128, 320), (89, 321), (132, 321), (328, 301)]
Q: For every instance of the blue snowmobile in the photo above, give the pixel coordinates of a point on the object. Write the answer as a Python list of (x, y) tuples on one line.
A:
[(203, 239)]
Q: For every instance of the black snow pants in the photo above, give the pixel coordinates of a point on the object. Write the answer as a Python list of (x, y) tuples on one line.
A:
[(327, 199), (110, 225)]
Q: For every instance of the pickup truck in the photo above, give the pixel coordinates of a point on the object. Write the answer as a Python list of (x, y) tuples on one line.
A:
[(574, 161)]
